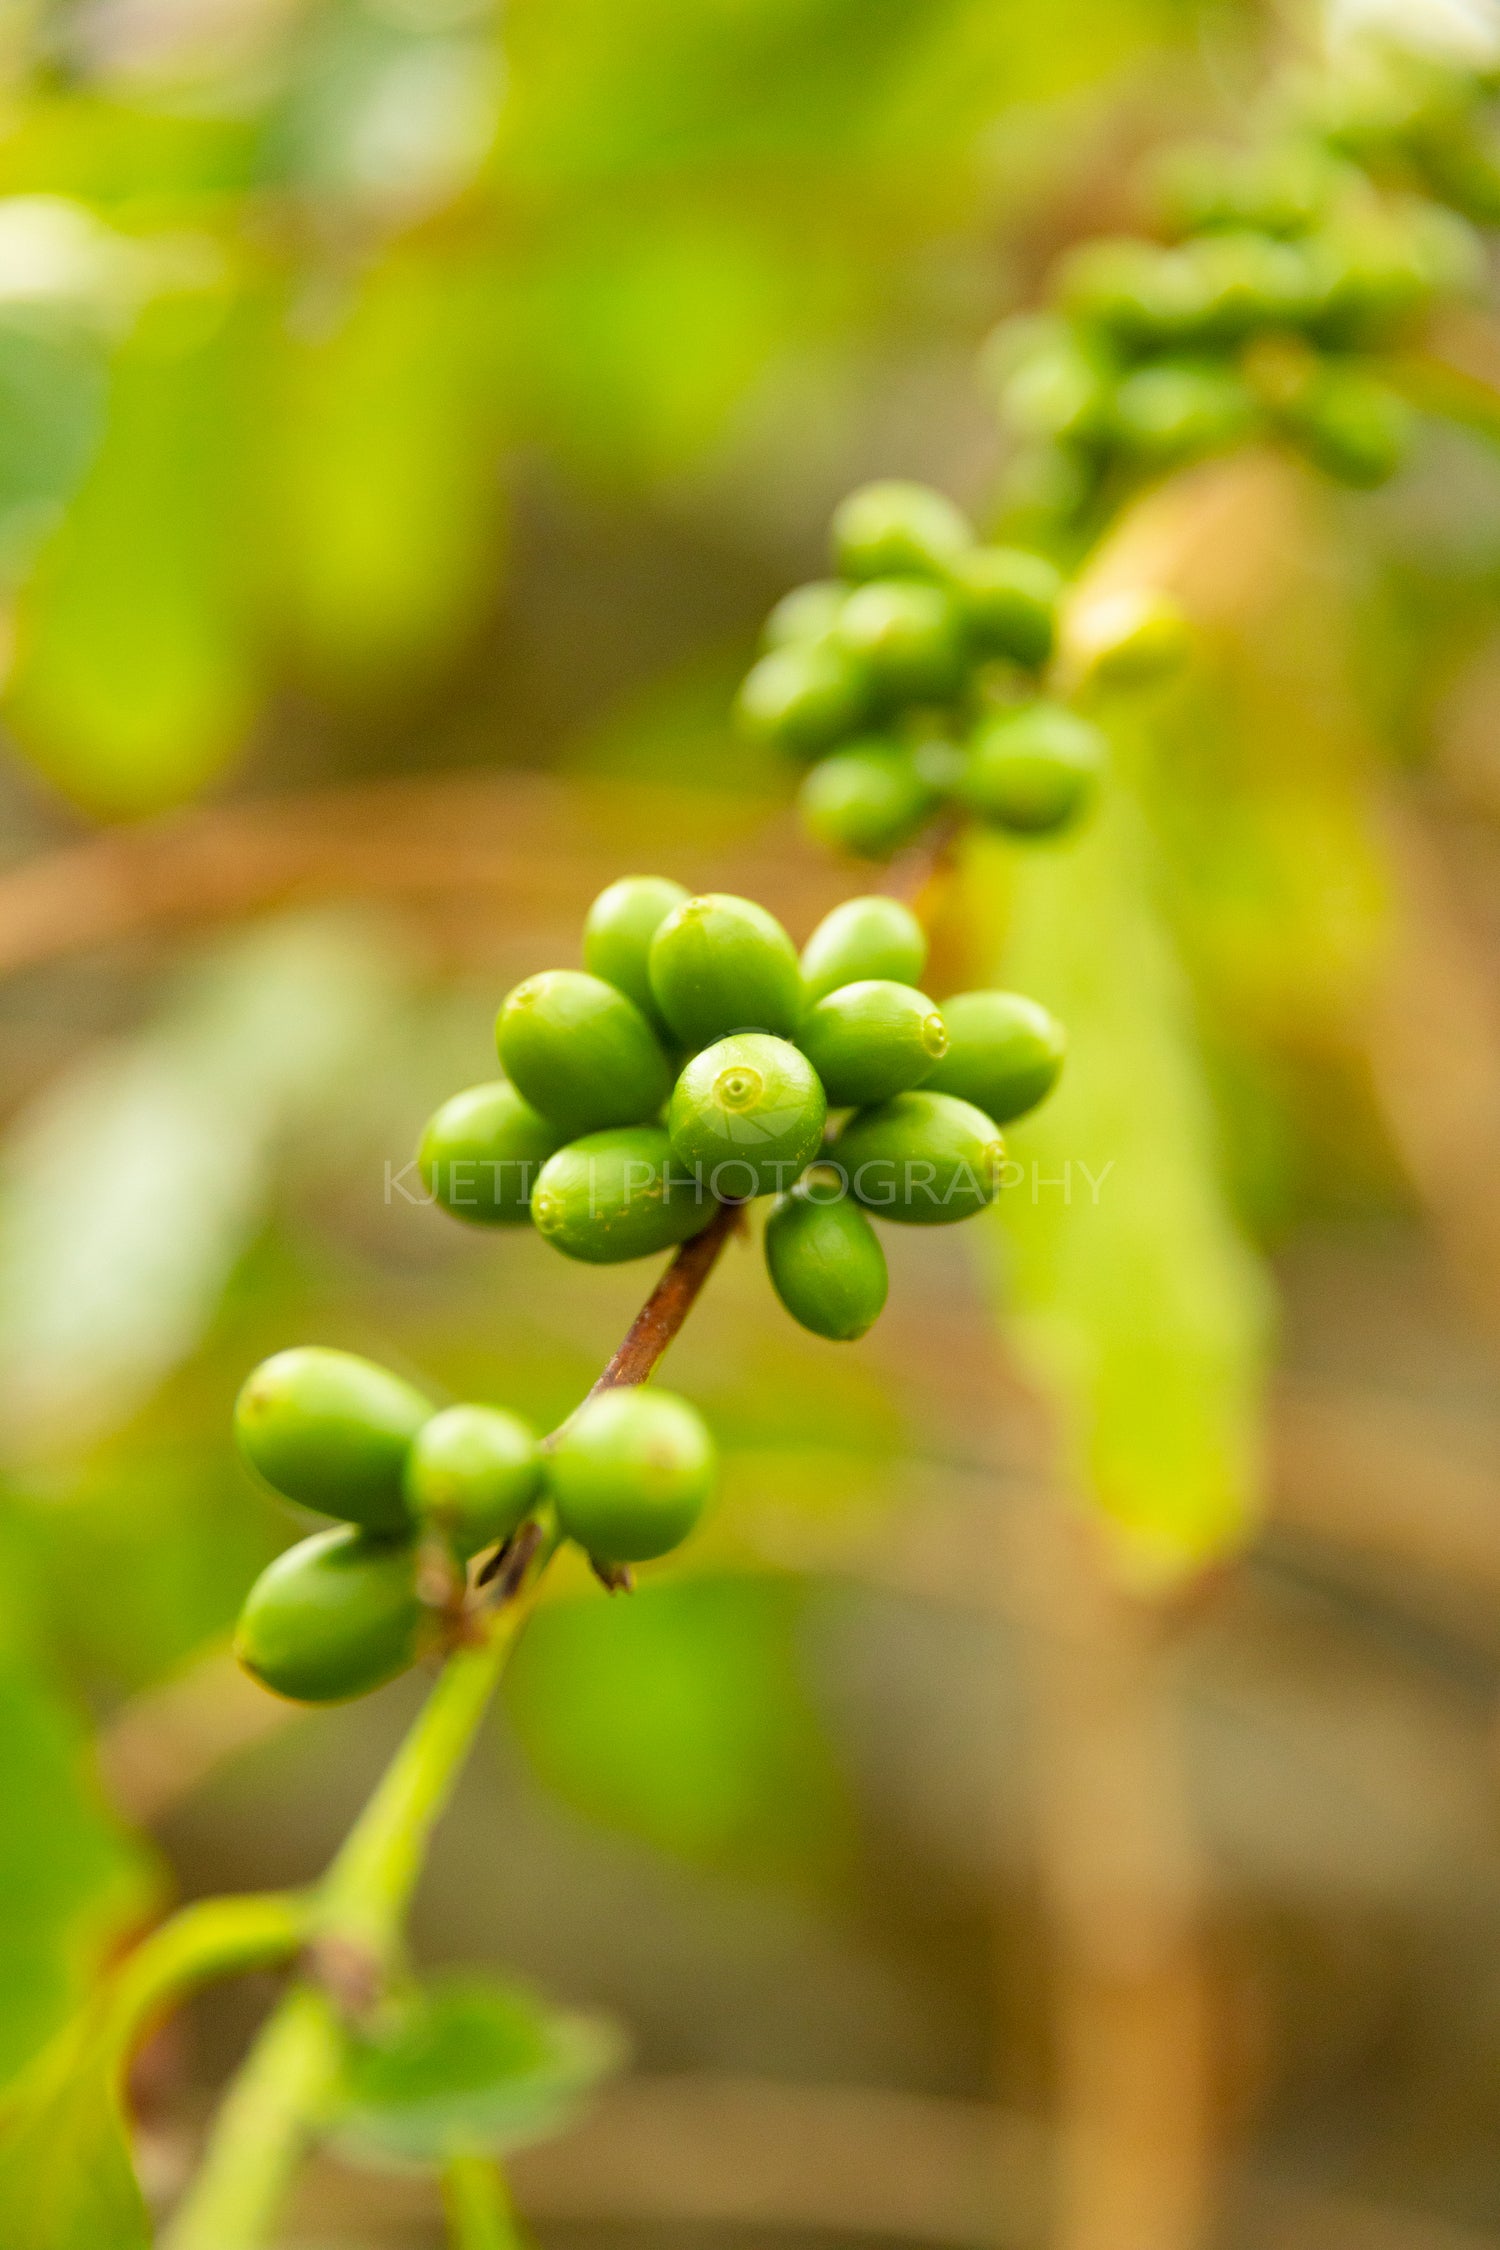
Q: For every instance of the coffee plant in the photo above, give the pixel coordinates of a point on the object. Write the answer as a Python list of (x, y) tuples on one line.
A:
[(939, 686)]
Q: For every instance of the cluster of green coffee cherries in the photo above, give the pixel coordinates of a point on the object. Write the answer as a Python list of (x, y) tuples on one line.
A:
[(420, 1493), (695, 1061), (911, 683), (1286, 281)]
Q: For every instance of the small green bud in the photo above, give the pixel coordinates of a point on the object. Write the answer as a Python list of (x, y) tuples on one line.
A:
[(803, 697), (618, 930), (907, 637), (618, 1195), (722, 964), (581, 1053), (1004, 1053), (873, 1039), (631, 1474), (824, 1258), (333, 1617), (1008, 600), (481, 1152), (922, 1159), (806, 615), (898, 530), (1033, 770), (864, 937), (331, 1431), (472, 1475), (867, 800), (746, 1115)]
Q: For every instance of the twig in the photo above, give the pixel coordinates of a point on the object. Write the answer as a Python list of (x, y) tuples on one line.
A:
[(670, 1302)]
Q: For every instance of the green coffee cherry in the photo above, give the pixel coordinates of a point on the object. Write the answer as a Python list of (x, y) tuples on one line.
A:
[(481, 1152), (746, 1116), (1178, 409), (898, 530), (1008, 601), (581, 1053), (824, 1258), (1248, 282), (1004, 1053), (331, 1430), (631, 1473), (807, 614), (1052, 383), (722, 964), (1034, 770), (333, 1617), (906, 636), (1369, 281), (865, 937), (618, 930), (922, 1159), (867, 800), (1129, 639), (1353, 425), (803, 697), (472, 1475), (1283, 190), (618, 1195), (873, 1039), (1132, 291)]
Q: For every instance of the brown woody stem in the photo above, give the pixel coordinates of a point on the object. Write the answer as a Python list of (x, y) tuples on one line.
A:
[(669, 1303)]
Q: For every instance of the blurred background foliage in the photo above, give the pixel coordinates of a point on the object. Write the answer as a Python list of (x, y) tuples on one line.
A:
[(407, 413)]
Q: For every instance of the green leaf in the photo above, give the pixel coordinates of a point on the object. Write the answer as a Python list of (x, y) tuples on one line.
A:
[(69, 1878), (467, 2065), (66, 2179), (679, 1716), (134, 673), (101, 1294), (1137, 1307)]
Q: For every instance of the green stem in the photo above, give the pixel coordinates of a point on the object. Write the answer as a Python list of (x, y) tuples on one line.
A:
[(357, 1910), (216, 1937), (477, 2202)]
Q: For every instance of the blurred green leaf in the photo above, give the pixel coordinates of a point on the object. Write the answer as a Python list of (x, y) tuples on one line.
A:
[(134, 677), (467, 2064), (69, 1879), (389, 470), (131, 1187), (66, 2179), (1137, 1307), (678, 1715)]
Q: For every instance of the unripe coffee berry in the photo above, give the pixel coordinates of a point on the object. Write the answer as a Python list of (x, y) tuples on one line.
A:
[(1129, 638), (722, 964), (332, 1431), (1004, 1053), (907, 636), (807, 614), (333, 1617), (631, 1474), (746, 1115), (870, 1040), (618, 1195), (864, 937), (1033, 770), (824, 1258), (1008, 602), (618, 930), (867, 800), (803, 697), (472, 1475), (481, 1152), (895, 529), (923, 1159), (581, 1053)]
